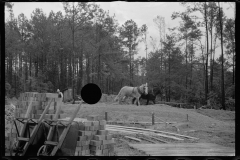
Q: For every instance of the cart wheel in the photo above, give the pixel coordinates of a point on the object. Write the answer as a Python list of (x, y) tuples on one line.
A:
[(41, 150)]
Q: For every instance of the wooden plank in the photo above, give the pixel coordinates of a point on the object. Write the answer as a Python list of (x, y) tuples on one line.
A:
[(123, 122), (158, 139), (183, 145), (185, 149), (117, 130), (146, 139), (157, 131), (132, 138), (139, 131)]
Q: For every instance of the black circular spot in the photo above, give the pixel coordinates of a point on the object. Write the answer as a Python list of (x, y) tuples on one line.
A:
[(91, 93)]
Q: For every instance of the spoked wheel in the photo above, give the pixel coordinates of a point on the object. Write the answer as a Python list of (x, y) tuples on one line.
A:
[(16, 149), (42, 150)]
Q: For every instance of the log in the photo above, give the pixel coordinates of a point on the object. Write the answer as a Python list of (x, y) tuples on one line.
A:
[(154, 131), (146, 132), (132, 138)]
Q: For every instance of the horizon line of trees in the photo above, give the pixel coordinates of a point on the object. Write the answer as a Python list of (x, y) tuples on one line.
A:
[(87, 45)]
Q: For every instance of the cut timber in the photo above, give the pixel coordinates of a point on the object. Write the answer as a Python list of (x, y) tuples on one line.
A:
[(146, 139), (123, 122), (146, 132), (132, 138), (117, 130), (158, 139), (157, 131), (185, 149)]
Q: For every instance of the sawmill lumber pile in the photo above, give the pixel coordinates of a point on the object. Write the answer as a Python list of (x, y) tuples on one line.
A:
[(94, 138), (149, 133), (144, 123)]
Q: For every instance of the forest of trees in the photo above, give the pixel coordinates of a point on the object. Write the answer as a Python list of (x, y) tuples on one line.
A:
[(87, 45)]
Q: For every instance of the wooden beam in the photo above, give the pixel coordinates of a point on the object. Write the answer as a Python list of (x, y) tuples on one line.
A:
[(157, 131), (106, 116), (184, 149), (122, 122), (146, 132), (146, 139), (117, 130), (153, 120), (158, 139), (133, 138)]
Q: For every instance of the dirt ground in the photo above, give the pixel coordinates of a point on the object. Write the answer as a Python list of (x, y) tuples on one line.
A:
[(209, 125)]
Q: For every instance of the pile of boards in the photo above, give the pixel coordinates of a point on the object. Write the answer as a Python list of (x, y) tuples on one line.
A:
[(94, 139), (149, 133)]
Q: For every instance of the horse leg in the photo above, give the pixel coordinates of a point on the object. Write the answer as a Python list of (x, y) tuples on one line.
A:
[(147, 101), (154, 101), (133, 100), (124, 98), (138, 101), (120, 99)]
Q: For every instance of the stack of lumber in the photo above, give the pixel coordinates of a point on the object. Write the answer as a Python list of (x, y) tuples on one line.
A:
[(145, 123), (148, 132), (39, 102), (93, 138)]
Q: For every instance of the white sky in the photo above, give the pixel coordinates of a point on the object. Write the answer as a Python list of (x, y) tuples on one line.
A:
[(140, 12)]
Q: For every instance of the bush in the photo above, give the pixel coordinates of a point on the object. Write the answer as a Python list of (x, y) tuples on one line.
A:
[(230, 103), (7, 88)]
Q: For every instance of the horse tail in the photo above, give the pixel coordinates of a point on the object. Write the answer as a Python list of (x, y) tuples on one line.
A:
[(117, 97)]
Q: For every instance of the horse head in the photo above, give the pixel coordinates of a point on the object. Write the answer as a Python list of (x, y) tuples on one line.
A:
[(144, 88), (158, 90)]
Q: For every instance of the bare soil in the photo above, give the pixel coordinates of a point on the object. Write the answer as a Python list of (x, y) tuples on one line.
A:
[(212, 126), (209, 125)]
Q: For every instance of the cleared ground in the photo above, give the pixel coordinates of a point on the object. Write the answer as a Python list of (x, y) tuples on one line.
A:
[(211, 126)]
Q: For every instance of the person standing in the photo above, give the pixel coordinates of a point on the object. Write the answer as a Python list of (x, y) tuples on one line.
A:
[(60, 95)]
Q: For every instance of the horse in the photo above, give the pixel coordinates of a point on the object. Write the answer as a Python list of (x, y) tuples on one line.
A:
[(135, 92), (150, 96)]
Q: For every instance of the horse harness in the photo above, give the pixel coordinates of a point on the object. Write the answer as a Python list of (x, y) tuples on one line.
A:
[(138, 89)]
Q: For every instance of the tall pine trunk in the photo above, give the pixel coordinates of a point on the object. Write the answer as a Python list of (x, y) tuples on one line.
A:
[(130, 68), (169, 80), (206, 73), (211, 53), (88, 68), (222, 77), (186, 95), (80, 68)]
